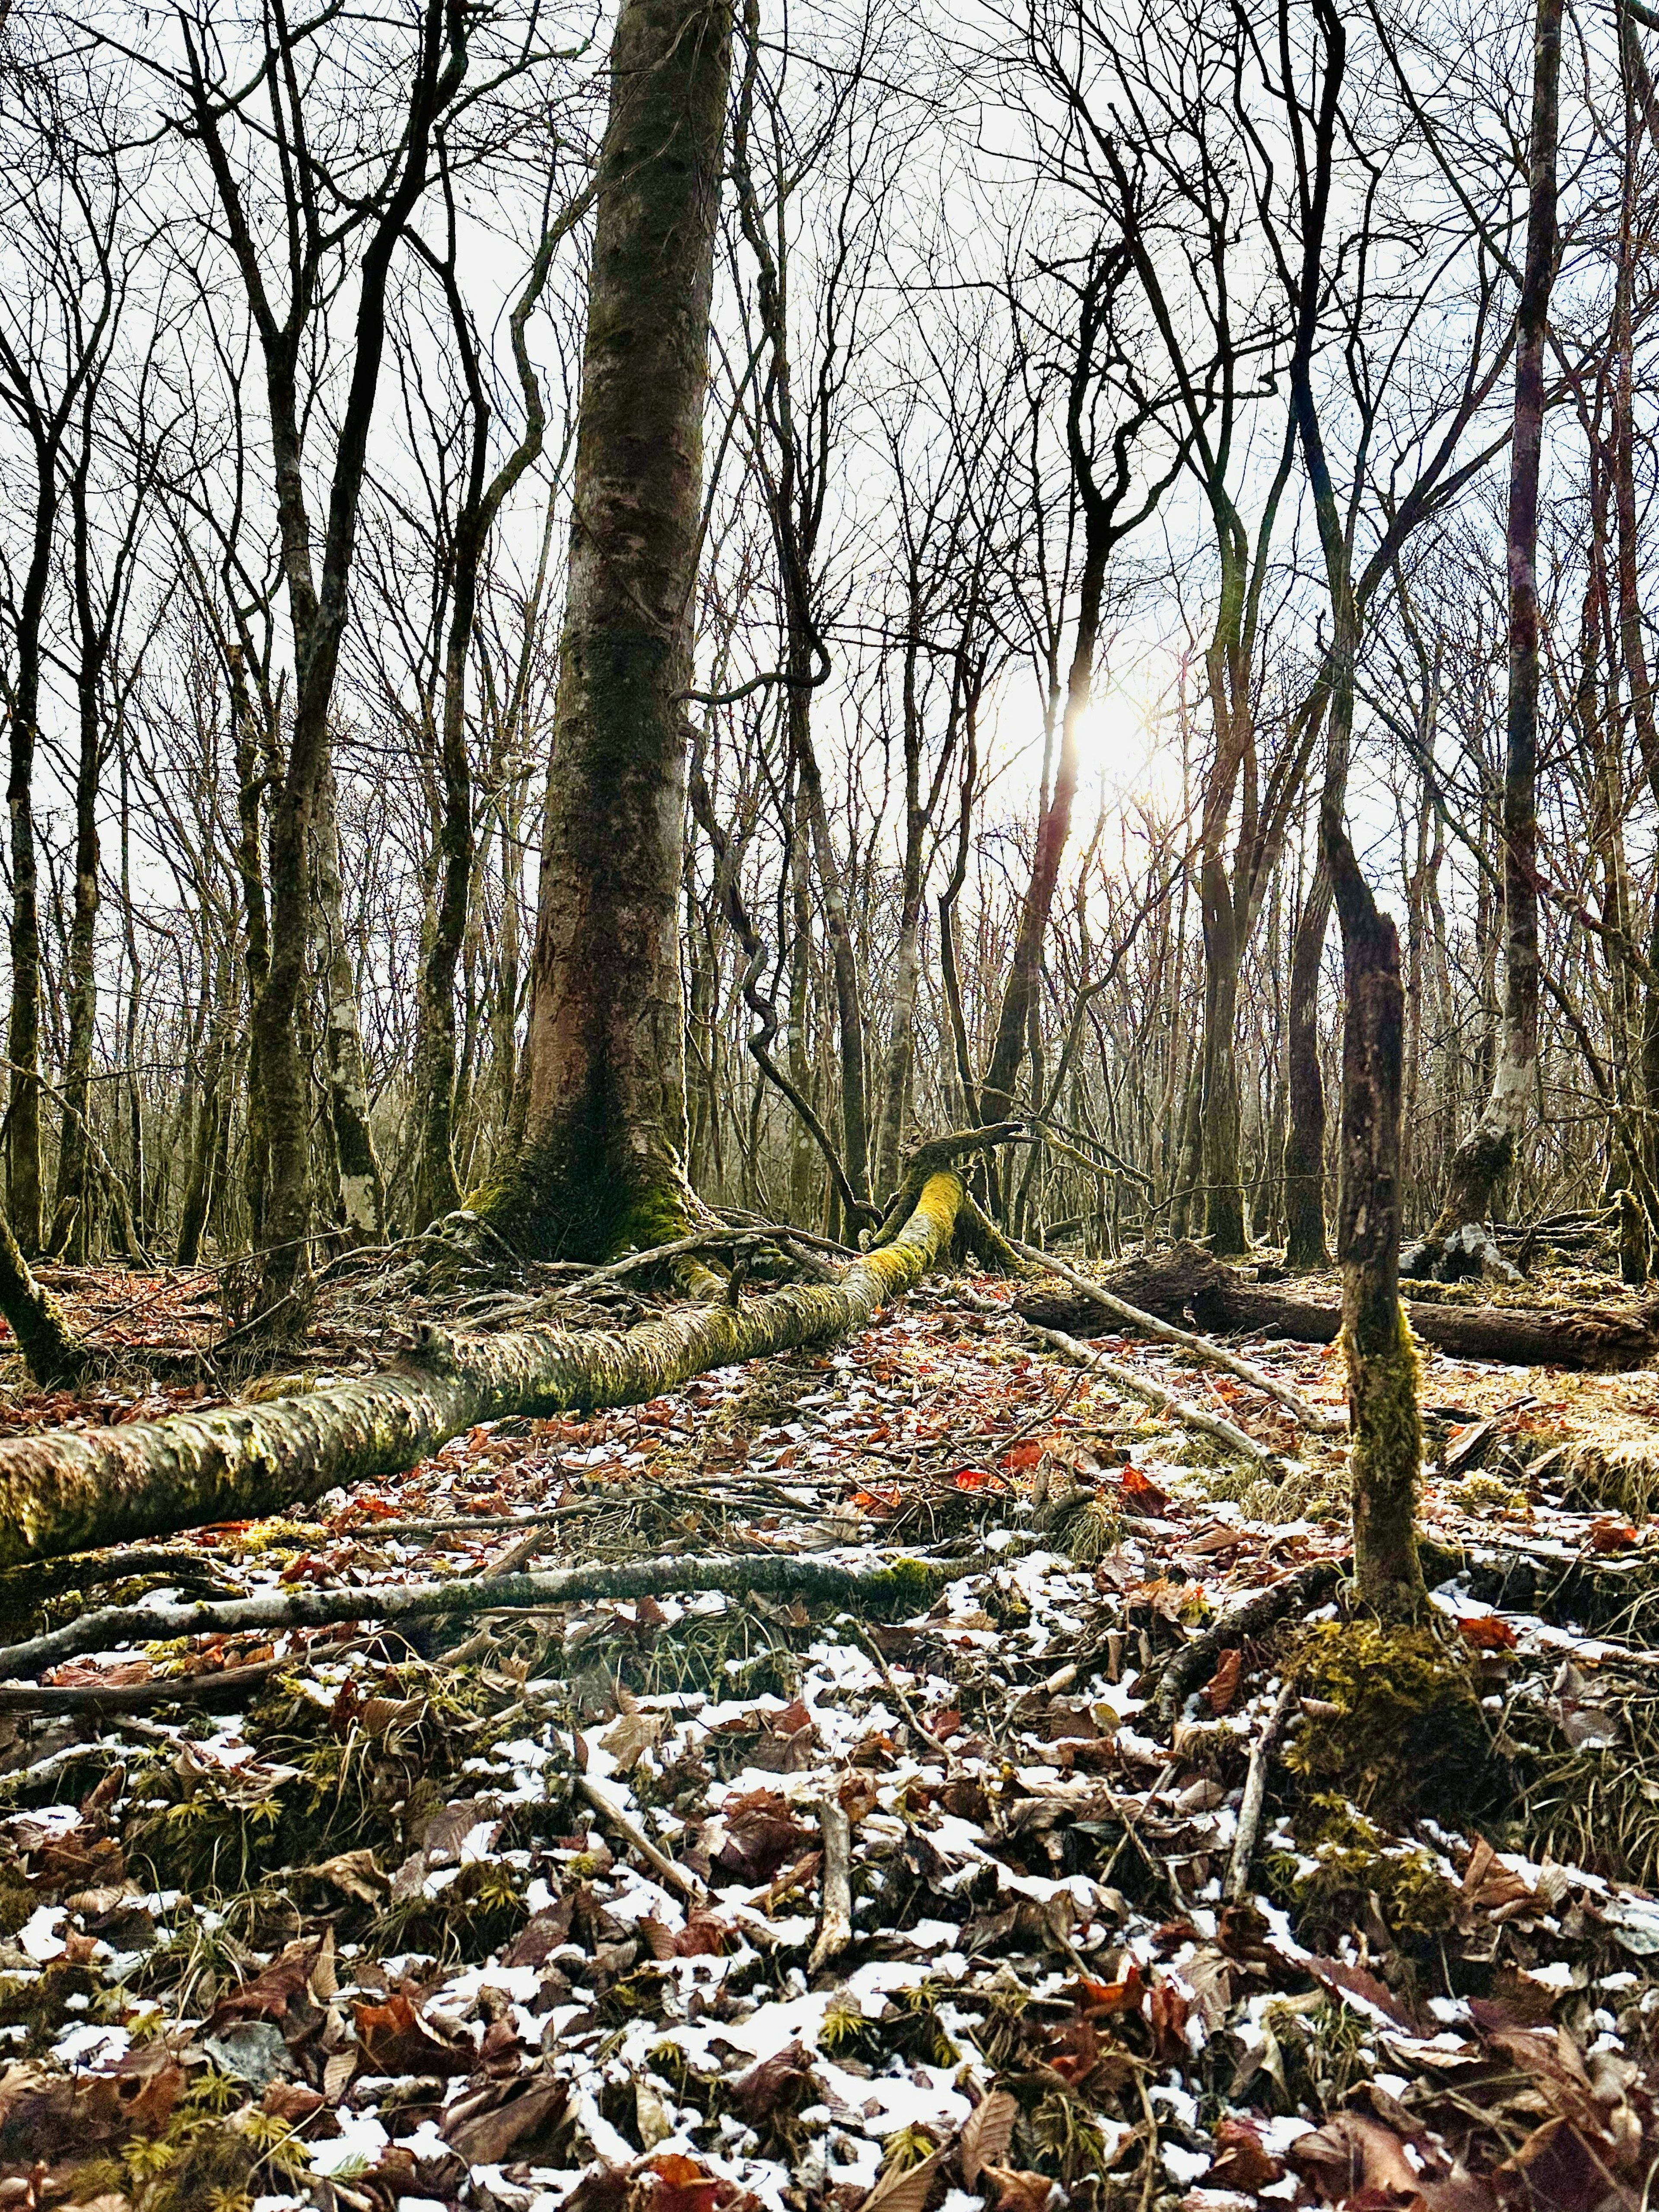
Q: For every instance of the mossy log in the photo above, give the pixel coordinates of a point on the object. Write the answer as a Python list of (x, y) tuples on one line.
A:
[(903, 1586), (1185, 1280), (71, 1491)]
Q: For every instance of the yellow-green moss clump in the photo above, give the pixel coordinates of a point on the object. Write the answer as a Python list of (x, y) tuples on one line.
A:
[(1345, 1861), (1394, 1719)]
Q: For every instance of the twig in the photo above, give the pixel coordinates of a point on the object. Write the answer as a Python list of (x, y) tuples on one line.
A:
[(1255, 1794), (1195, 1661), (835, 1913), (1320, 1419), (1179, 1409), (906, 1703), (636, 1839), (204, 1689)]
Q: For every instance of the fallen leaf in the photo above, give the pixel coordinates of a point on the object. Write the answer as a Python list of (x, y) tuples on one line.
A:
[(1242, 2161), (396, 2039), (1487, 1631), (986, 2135), (905, 2190), (1609, 1535), (1351, 2153), (1223, 1685), (1020, 2191)]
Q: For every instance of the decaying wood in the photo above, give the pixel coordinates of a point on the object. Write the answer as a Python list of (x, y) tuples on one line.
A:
[(1255, 1795), (1107, 1297), (1142, 1386), (835, 1913), (908, 1582), (1185, 1280), (71, 1491)]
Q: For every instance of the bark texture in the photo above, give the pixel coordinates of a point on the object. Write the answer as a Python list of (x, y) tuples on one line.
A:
[(67, 1490), (1187, 1280), (601, 1165), (903, 1587), (52, 1352)]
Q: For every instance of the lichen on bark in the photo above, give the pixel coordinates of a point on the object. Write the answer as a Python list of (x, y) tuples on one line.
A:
[(67, 1490)]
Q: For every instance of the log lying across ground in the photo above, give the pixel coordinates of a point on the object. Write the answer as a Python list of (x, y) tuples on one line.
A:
[(1186, 1279), (75, 1490), (904, 1585)]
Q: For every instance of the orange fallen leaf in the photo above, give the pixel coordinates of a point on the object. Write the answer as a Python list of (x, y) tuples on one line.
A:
[(1608, 1535), (1487, 1632)]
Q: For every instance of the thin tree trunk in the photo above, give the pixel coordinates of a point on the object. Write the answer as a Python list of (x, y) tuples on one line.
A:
[(362, 1188), (1486, 1155), (1305, 1143)]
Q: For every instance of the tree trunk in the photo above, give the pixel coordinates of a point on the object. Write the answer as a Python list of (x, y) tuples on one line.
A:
[(204, 1146), (54, 1356), (254, 771), (1486, 1156), (362, 1188), (1305, 1145), (23, 1032), (1224, 1230), (70, 1223), (601, 1167), (71, 1490)]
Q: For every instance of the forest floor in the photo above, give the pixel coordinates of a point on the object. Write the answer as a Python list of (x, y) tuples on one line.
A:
[(384, 1936)]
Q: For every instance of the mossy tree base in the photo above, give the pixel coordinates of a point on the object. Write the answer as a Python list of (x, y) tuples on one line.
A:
[(56, 1357)]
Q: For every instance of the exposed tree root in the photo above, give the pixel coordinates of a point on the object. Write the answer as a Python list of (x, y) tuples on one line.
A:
[(1195, 1663), (78, 1491)]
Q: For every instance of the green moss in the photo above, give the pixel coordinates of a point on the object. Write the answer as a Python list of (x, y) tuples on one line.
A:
[(1383, 1379), (579, 1202), (1354, 1864), (1397, 1720)]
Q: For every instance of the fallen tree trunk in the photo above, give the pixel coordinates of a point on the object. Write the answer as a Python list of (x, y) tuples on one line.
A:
[(73, 1491), (1139, 1315), (1186, 1279), (907, 1584)]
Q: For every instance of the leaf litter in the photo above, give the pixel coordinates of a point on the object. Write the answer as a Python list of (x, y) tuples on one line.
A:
[(522, 1911)]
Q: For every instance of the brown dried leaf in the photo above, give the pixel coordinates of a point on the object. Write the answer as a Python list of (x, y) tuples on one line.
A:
[(904, 2191), (987, 2134)]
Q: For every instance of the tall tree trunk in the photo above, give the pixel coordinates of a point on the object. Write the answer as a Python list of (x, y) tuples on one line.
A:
[(362, 1188), (255, 770), (1304, 1143), (23, 1032), (1484, 1159), (602, 1164), (1383, 1413), (69, 1229), (205, 1139)]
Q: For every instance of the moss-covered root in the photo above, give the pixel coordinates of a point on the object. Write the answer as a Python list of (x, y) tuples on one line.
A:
[(903, 1587), (55, 1355), (67, 1490), (1387, 1456)]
